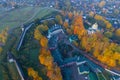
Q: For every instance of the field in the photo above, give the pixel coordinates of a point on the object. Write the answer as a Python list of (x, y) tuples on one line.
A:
[(22, 15)]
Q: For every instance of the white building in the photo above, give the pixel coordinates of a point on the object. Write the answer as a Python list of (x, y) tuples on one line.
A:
[(54, 30), (93, 29)]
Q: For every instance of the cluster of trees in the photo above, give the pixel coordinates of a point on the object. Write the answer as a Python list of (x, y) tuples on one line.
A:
[(108, 28), (45, 57), (40, 31), (3, 38), (53, 71), (99, 18), (108, 25), (97, 44), (34, 74), (106, 52)]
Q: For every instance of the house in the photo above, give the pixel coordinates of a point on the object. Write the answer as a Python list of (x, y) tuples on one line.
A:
[(54, 30), (93, 29)]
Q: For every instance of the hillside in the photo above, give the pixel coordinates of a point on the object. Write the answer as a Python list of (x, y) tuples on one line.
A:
[(22, 15), (30, 14)]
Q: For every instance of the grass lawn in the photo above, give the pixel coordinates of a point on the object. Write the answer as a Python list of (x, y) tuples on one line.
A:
[(13, 71), (22, 15), (100, 76), (92, 76), (1, 75)]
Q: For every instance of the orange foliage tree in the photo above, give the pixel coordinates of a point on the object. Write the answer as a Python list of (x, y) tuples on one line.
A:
[(70, 15), (97, 43), (78, 26), (53, 71), (117, 32), (45, 57), (34, 74), (43, 42), (65, 24)]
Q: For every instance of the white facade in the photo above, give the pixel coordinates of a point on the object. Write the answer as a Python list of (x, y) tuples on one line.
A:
[(93, 29), (11, 60)]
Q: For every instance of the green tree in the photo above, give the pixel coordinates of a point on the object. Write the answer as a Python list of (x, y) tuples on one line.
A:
[(108, 34)]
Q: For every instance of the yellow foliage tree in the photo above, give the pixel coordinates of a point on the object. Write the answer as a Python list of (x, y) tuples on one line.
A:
[(91, 13), (37, 34), (65, 24), (69, 31), (3, 35), (59, 19), (1, 49), (44, 42), (102, 3), (42, 28), (117, 32), (34, 74)]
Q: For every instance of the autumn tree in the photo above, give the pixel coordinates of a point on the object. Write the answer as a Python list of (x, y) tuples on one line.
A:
[(97, 43), (3, 35), (59, 20), (70, 15), (66, 24), (37, 34), (108, 34), (45, 58), (84, 42), (40, 29), (43, 42), (117, 32), (91, 14), (53, 71), (1, 49), (69, 31), (34, 74), (78, 26), (102, 3), (108, 25)]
